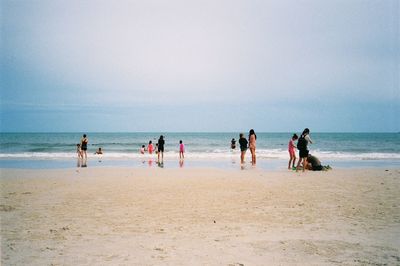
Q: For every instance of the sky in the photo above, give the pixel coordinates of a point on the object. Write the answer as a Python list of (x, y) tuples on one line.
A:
[(219, 65)]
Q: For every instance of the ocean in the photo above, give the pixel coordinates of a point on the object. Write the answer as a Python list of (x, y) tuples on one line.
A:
[(58, 150)]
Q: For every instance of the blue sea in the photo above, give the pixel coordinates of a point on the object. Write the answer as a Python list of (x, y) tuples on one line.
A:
[(58, 150)]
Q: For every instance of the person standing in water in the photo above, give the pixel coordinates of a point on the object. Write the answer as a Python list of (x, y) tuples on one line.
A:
[(252, 145), (243, 147), (79, 153), (181, 150), (150, 147), (161, 144), (84, 143)]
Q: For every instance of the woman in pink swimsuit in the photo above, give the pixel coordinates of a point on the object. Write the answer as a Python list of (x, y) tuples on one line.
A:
[(292, 153), (252, 146)]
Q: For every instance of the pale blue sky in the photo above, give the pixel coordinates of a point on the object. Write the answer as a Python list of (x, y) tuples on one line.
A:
[(200, 65)]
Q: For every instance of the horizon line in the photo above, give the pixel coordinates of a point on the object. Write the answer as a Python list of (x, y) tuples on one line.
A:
[(185, 132)]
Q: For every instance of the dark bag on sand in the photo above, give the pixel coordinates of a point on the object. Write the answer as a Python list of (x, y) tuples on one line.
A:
[(302, 143)]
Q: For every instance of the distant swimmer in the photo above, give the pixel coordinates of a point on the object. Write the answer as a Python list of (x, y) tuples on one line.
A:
[(142, 149), (233, 144), (99, 152)]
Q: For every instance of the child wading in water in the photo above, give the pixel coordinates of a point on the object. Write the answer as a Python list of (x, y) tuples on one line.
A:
[(142, 149), (150, 147), (292, 153), (181, 150), (79, 151)]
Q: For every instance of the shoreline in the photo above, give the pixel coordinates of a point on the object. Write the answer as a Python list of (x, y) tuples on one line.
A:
[(232, 163), (202, 216)]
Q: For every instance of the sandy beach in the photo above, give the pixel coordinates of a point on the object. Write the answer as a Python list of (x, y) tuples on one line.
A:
[(123, 216)]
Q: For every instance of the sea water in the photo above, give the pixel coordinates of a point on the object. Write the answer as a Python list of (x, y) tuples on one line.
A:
[(58, 150)]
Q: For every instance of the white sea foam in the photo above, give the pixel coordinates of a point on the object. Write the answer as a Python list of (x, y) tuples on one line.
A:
[(272, 154)]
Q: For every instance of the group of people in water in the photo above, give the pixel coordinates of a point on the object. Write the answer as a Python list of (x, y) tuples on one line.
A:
[(245, 144), (306, 160), (159, 149)]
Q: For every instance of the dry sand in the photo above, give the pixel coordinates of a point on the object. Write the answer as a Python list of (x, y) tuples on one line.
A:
[(118, 216)]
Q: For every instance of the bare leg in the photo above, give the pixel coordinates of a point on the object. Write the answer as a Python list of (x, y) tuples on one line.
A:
[(304, 164), (298, 164), (253, 156)]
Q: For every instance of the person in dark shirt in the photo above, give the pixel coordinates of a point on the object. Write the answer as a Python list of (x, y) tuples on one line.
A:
[(160, 148), (302, 146), (314, 164), (243, 147)]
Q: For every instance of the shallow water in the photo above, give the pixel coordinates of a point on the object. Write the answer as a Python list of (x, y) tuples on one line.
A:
[(58, 150)]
